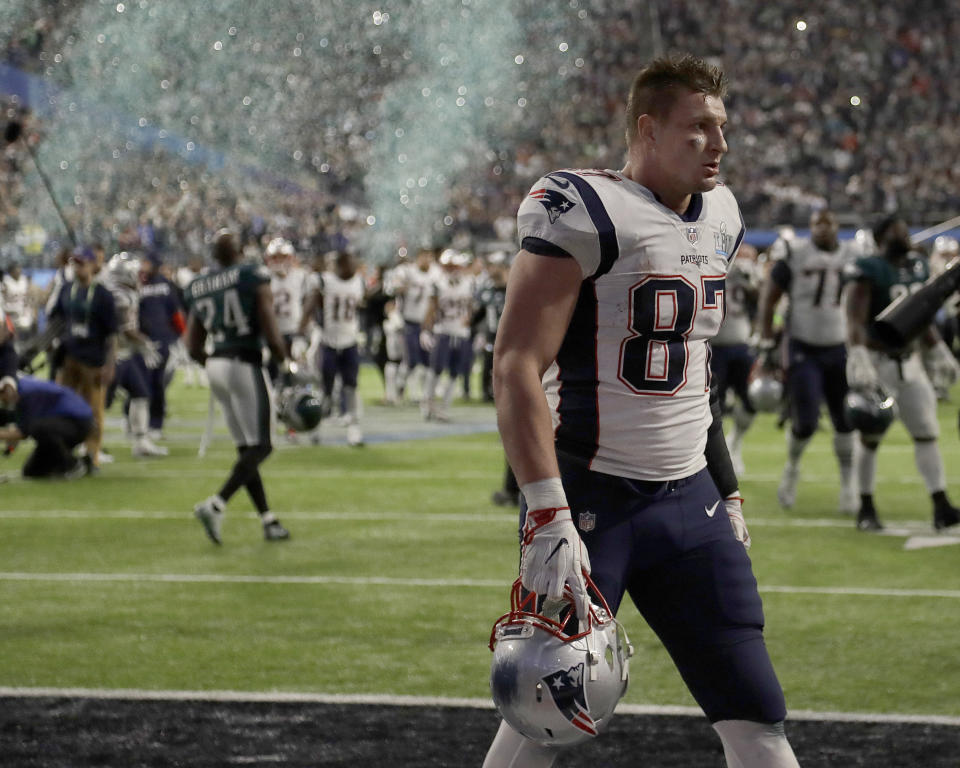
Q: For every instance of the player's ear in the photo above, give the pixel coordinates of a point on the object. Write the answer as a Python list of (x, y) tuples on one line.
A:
[(646, 130)]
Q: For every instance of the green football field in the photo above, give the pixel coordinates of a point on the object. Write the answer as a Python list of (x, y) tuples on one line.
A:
[(399, 564)]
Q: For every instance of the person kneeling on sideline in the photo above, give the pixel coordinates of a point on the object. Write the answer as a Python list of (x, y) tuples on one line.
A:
[(56, 417)]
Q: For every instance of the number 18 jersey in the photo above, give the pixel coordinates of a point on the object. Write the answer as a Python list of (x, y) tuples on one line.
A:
[(629, 389)]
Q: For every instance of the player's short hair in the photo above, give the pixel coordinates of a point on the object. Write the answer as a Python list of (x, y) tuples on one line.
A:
[(658, 85)]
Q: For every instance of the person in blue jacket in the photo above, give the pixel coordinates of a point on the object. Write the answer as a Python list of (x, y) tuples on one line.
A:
[(54, 416)]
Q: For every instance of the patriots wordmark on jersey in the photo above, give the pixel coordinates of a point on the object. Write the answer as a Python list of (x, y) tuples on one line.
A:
[(629, 389)]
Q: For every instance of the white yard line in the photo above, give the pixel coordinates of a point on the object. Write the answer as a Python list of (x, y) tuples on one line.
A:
[(280, 697), (222, 578)]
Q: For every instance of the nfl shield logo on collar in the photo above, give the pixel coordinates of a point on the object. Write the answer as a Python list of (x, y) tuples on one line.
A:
[(587, 521), (693, 235)]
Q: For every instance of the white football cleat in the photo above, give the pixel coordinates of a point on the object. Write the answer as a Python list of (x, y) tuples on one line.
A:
[(210, 515), (354, 436), (849, 500), (146, 447), (787, 490)]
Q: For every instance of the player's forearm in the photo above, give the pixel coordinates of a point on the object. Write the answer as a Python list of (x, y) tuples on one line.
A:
[(524, 420), (768, 304)]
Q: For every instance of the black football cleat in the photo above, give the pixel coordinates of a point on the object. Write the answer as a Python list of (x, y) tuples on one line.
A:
[(505, 499), (867, 520), (945, 516)]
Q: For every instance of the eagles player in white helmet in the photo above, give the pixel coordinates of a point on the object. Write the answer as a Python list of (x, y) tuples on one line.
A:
[(446, 332), (732, 356), (602, 390), (810, 272), (135, 353)]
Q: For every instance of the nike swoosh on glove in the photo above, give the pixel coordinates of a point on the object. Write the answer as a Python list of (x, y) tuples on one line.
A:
[(733, 504), (554, 557)]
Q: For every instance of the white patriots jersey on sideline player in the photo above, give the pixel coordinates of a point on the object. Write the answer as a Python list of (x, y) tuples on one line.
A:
[(289, 291), (15, 300), (741, 291), (341, 327), (454, 305), (651, 298), (417, 287), (813, 280), (127, 304)]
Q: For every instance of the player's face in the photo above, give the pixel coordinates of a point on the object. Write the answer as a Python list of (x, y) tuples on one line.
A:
[(823, 230), (690, 142)]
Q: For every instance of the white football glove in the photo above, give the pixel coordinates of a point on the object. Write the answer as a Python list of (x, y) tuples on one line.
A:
[(298, 347), (941, 365), (427, 340), (732, 504), (860, 371), (553, 555), (150, 354)]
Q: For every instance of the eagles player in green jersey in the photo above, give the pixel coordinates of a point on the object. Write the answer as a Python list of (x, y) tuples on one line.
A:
[(895, 271), (233, 307)]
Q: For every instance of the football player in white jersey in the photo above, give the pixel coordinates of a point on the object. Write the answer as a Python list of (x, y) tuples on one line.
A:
[(602, 390), (341, 294), (732, 357), (289, 283), (810, 272), (16, 299), (446, 331), (413, 286)]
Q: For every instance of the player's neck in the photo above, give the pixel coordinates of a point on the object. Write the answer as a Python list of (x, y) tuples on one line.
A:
[(678, 202)]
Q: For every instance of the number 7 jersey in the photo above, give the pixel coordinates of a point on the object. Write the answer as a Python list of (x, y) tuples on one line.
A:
[(629, 388)]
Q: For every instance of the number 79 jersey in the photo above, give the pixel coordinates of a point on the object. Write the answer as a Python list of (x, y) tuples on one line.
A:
[(225, 302), (629, 388)]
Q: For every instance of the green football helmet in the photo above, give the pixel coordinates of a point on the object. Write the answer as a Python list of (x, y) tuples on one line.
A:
[(871, 410), (299, 408)]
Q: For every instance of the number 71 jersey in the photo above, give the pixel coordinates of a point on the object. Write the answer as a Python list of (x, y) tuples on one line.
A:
[(629, 389)]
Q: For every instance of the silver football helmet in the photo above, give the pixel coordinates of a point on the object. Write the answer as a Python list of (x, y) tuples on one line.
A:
[(552, 680), (765, 392), (124, 270)]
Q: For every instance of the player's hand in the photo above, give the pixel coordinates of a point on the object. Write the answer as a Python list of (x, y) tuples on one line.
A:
[(941, 365), (766, 351), (298, 347), (733, 504), (151, 355), (554, 558), (860, 371), (427, 340)]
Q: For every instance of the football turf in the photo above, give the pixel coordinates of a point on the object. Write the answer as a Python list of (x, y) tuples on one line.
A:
[(397, 567)]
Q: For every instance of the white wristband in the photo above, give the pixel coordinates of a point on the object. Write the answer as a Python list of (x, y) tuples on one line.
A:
[(544, 494)]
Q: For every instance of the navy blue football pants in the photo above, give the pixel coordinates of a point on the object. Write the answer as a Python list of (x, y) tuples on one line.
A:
[(815, 374), (670, 546)]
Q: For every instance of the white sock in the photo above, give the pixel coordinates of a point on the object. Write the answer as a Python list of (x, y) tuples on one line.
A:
[(844, 444), (139, 417), (350, 396), (930, 463), (390, 372), (747, 744), (511, 750), (429, 388), (795, 447), (448, 393)]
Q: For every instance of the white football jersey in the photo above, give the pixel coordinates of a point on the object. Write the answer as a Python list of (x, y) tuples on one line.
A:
[(739, 299), (289, 291), (127, 304), (341, 298), (629, 389), (813, 281), (454, 295), (16, 300), (415, 288)]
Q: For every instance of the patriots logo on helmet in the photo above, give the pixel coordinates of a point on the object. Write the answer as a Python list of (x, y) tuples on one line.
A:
[(566, 687), (555, 202)]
